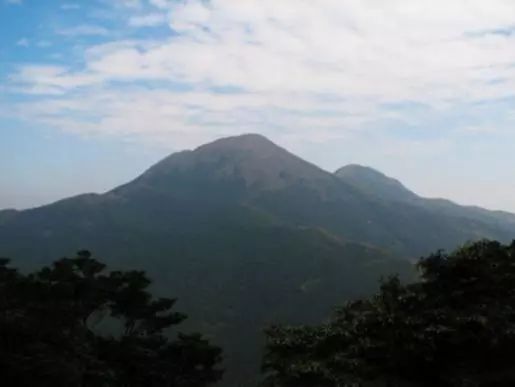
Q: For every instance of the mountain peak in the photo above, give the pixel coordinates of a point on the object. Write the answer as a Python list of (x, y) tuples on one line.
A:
[(242, 139), (249, 158), (250, 142), (358, 168), (374, 183), (361, 171)]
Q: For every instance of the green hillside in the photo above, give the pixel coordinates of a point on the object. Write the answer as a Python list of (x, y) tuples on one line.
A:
[(244, 233)]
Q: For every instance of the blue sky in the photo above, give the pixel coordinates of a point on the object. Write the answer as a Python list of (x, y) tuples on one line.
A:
[(93, 92)]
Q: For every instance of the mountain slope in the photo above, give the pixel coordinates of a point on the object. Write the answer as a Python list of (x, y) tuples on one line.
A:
[(234, 273), (194, 222), (374, 183), (475, 221), (245, 233), (250, 180), (5, 215)]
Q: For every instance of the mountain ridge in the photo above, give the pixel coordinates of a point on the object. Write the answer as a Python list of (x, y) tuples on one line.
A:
[(244, 233), (375, 183), (371, 180), (253, 158), (356, 202)]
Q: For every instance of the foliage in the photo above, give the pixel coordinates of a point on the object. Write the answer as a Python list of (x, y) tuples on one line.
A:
[(455, 327), (76, 324)]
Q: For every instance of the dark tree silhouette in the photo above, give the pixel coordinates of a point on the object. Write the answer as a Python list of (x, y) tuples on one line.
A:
[(77, 324), (455, 327)]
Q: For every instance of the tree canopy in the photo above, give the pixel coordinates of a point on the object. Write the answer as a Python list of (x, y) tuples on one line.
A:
[(77, 324), (454, 327)]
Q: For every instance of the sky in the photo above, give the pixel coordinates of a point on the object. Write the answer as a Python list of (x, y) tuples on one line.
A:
[(93, 92)]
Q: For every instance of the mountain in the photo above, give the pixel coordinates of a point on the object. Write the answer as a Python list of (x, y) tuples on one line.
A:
[(6, 215), (195, 223), (477, 221), (245, 233), (375, 183)]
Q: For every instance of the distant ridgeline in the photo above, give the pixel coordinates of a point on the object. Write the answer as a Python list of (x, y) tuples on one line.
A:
[(244, 234)]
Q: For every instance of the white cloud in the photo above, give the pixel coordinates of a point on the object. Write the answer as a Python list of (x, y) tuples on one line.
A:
[(161, 4), (84, 30), (148, 20), (43, 79), (296, 71), (128, 3), (389, 51)]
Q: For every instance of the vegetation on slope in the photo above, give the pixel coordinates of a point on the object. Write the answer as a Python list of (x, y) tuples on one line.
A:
[(244, 233), (453, 328), (75, 324)]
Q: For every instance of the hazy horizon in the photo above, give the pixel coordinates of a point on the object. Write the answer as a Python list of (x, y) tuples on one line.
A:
[(93, 93)]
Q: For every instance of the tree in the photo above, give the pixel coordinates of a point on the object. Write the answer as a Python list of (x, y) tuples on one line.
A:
[(455, 327), (77, 324)]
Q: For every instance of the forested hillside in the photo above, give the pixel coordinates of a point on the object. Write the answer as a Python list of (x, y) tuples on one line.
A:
[(244, 233)]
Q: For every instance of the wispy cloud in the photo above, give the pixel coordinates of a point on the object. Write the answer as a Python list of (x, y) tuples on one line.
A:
[(84, 30), (257, 46), (70, 6), (129, 3), (507, 32), (48, 79), (148, 20), (162, 4), (323, 68)]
